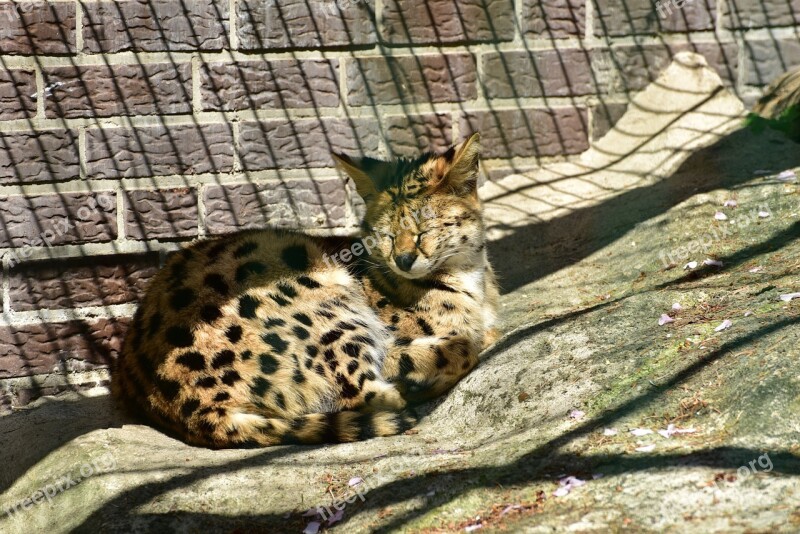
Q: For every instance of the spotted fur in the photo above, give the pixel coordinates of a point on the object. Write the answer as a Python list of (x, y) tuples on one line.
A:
[(258, 338)]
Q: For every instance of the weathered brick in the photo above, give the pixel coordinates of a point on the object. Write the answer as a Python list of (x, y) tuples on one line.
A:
[(554, 19), (411, 79), (155, 25), (301, 143), (59, 219), (37, 28), (17, 93), (766, 60), (287, 204), (159, 150), (605, 116), (632, 67), (71, 283), (165, 213), (275, 84), (59, 347), (528, 132), (409, 135), (619, 18), (303, 24), (537, 73), (106, 90), (748, 14), (45, 156), (447, 21)]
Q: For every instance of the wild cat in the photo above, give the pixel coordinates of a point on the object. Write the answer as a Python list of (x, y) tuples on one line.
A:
[(273, 337)]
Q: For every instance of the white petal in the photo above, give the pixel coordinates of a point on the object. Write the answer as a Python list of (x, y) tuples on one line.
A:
[(720, 216), (610, 432), (730, 203), (723, 326), (641, 431), (470, 528), (677, 307), (312, 528), (645, 448), (787, 176), (560, 492), (312, 512), (355, 481), (713, 263), (576, 414), (763, 214), (748, 313), (685, 430), (335, 518), (690, 265), (756, 269), (789, 296), (664, 319)]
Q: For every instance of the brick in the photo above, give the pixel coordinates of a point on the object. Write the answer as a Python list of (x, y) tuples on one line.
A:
[(632, 68), (28, 28), (275, 84), (302, 24), (159, 150), (537, 73), (32, 157), (409, 135), (287, 204), (17, 93), (411, 79), (155, 25), (620, 18), (554, 19), (447, 21), (302, 143), (165, 213), (58, 218), (748, 14), (605, 116), (106, 90), (766, 60), (59, 347), (528, 132), (71, 283)]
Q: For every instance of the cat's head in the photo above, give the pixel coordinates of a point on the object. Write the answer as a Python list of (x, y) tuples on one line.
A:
[(423, 215)]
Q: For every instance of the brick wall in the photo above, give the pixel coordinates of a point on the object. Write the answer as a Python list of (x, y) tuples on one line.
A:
[(129, 127)]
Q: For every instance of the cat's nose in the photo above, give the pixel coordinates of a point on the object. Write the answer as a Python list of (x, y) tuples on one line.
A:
[(405, 261)]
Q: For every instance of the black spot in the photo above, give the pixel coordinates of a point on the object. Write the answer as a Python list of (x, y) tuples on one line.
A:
[(214, 252), (383, 302), (193, 360), (205, 411), (332, 365), (217, 283), (180, 336), (311, 350), (348, 390), (222, 396), (177, 272), (246, 355), (303, 318), (273, 322), (260, 386), (329, 355), (234, 333), (327, 314), (364, 339), (402, 341), (268, 363), (300, 332), (223, 358), (310, 283), (406, 364), (244, 249), (298, 376), (249, 268), (155, 322), (441, 360), (220, 411), (352, 349), (181, 298), (287, 289), (248, 305), (426, 328), (210, 313), (369, 375), (168, 388), (280, 401), (330, 337), (449, 306), (206, 427), (344, 325), (319, 369), (279, 300), (309, 363), (395, 318), (369, 396), (276, 342), (295, 257), (352, 367), (189, 407), (230, 377), (207, 382)]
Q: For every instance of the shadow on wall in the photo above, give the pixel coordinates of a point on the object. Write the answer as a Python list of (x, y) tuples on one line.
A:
[(155, 123)]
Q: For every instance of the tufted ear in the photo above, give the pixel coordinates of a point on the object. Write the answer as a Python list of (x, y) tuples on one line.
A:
[(458, 167), (368, 174)]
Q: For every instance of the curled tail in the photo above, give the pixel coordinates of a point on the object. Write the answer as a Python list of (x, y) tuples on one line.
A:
[(251, 430)]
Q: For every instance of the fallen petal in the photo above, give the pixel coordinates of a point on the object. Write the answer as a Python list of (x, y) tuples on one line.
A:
[(664, 319), (720, 216), (470, 528), (690, 265), (312, 528), (713, 263), (312, 512), (355, 481), (576, 414), (763, 214), (610, 432), (641, 431), (748, 313), (787, 176), (756, 270), (572, 481), (730, 203), (560, 492), (723, 326), (790, 296), (646, 448), (677, 307), (335, 518)]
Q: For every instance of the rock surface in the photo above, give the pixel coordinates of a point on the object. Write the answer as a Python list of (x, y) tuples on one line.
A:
[(588, 270)]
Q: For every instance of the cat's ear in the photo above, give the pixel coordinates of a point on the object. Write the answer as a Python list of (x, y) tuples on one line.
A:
[(366, 173), (458, 167)]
